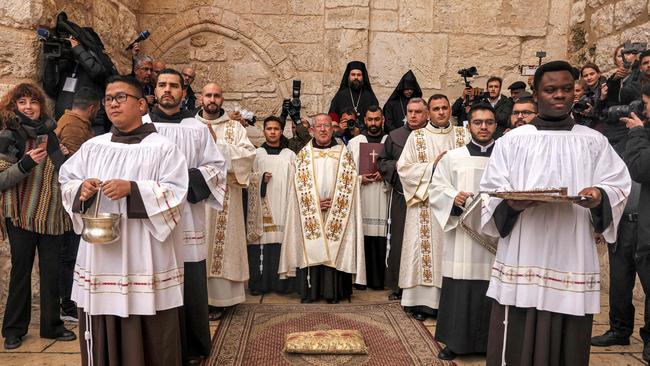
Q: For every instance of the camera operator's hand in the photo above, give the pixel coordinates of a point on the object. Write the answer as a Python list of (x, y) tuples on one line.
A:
[(621, 72), (64, 150), (595, 197), (603, 91), (136, 49), (632, 121), (151, 99), (38, 155), (73, 42)]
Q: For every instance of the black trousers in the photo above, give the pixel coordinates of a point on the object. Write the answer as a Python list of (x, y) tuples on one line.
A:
[(23, 245), (624, 265), (67, 259), (195, 325)]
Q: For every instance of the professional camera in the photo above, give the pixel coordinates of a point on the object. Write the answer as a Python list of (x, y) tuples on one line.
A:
[(55, 45), (615, 113), (632, 48), (468, 73), (291, 107), (352, 123)]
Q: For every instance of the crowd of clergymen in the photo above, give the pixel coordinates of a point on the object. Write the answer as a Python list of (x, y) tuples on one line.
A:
[(360, 197)]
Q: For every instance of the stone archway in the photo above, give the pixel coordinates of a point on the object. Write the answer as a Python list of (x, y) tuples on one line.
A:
[(219, 44)]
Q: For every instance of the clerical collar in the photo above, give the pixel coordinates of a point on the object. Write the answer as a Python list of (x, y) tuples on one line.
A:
[(163, 117), (221, 113), (476, 149), (272, 150), (132, 137), (439, 130), (564, 123), (374, 139), (317, 146)]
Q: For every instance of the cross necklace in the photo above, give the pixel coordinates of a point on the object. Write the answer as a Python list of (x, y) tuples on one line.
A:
[(358, 100)]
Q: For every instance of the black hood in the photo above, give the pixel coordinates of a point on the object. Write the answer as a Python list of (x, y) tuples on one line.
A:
[(355, 65), (408, 81)]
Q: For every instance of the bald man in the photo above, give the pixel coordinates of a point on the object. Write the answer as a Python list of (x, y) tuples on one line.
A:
[(189, 101), (157, 66), (225, 229)]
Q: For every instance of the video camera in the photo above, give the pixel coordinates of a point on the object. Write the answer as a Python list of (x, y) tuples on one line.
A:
[(55, 45), (468, 73), (632, 48), (291, 107)]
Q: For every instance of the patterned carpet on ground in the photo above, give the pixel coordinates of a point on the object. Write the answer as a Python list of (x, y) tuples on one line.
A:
[(253, 334)]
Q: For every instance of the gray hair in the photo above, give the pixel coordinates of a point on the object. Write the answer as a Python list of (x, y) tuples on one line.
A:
[(329, 118), (140, 60), (418, 100)]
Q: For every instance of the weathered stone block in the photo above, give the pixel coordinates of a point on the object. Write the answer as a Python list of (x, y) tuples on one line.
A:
[(306, 56), (348, 18), (528, 49), (384, 20), (492, 55), (424, 53), (311, 82), (18, 55), (341, 3), (559, 18), (342, 46), (605, 48), (306, 7), (627, 11), (279, 7), (415, 15), (384, 4), (578, 12), (295, 29), (595, 3), (491, 17), (602, 21), (640, 33), (19, 13)]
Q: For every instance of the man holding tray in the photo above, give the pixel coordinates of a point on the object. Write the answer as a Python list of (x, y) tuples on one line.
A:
[(546, 277)]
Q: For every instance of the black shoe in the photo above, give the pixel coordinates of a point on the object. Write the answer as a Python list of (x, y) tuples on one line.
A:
[(394, 296), (332, 301), (69, 315), (447, 354), (610, 338), (360, 287), (66, 336), (12, 342), (418, 316), (306, 301)]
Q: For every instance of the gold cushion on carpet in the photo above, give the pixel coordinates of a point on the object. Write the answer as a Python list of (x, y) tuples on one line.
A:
[(335, 341)]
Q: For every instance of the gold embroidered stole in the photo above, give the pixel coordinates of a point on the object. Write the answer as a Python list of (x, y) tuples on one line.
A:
[(424, 217), (321, 241), (260, 217), (221, 225)]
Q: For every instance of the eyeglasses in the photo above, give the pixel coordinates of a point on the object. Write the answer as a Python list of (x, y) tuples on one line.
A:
[(120, 98), (523, 113), (480, 122)]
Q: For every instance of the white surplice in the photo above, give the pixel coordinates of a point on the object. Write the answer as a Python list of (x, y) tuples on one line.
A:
[(374, 196), (324, 242), (142, 272), (421, 260), (462, 257), (549, 260), (266, 215), (226, 229), (194, 140)]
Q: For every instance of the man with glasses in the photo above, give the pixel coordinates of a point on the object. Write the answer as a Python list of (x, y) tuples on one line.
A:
[(129, 292), (421, 258), (464, 312), (189, 101), (143, 72), (523, 111), (323, 237)]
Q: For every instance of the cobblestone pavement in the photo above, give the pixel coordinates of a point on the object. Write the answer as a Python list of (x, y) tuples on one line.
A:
[(36, 351)]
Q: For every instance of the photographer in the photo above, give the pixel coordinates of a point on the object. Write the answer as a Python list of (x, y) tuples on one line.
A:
[(638, 78), (349, 126), (637, 158), (588, 105), (81, 63)]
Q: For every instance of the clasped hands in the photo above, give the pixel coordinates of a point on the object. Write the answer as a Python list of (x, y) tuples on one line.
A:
[(370, 178), (113, 188)]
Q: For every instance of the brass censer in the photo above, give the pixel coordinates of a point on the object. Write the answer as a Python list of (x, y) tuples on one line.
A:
[(101, 228)]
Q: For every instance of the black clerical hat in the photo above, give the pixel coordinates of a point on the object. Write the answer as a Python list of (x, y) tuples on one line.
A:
[(517, 85), (355, 65)]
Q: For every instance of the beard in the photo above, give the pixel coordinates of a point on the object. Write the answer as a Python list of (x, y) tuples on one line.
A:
[(212, 108), (168, 101), (356, 84), (374, 129)]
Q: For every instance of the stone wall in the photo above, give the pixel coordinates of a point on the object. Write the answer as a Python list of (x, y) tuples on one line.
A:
[(255, 50)]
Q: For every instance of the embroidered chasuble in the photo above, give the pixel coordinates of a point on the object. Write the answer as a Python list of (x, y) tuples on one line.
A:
[(421, 261), (266, 215), (226, 229), (194, 140), (462, 257), (548, 260), (142, 272), (333, 238)]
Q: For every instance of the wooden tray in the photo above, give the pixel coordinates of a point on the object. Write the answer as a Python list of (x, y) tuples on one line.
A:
[(551, 195)]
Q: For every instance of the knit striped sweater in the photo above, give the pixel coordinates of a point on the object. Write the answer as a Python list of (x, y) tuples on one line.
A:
[(34, 204)]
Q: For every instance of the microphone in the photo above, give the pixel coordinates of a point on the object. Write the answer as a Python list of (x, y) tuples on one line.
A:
[(141, 37)]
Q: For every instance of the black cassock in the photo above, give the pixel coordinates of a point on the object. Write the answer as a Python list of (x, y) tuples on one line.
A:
[(387, 163), (395, 107)]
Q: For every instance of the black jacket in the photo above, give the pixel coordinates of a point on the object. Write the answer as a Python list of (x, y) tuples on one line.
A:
[(637, 158)]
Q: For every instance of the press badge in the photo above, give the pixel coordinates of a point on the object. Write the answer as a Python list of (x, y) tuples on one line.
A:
[(70, 84)]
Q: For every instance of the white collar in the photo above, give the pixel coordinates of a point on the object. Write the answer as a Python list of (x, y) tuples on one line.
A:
[(483, 148)]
